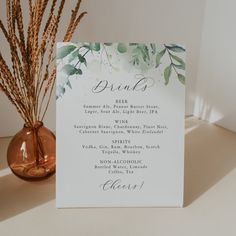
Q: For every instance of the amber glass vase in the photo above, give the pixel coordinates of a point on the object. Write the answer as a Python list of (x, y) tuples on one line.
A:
[(31, 153)]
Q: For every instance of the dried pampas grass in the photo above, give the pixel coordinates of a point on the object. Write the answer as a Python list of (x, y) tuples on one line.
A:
[(28, 82)]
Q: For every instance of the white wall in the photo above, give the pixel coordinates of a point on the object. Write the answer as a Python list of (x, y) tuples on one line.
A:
[(216, 84), (129, 20)]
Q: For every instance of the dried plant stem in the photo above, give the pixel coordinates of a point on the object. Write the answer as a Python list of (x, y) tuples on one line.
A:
[(30, 78)]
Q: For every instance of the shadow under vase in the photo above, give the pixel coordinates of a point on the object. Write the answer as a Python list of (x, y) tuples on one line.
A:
[(17, 196)]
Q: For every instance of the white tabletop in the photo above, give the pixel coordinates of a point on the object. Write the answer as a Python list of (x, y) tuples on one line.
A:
[(28, 208)]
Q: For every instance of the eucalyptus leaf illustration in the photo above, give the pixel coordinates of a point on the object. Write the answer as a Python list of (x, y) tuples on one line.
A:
[(159, 56), (173, 48), (167, 74), (79, 71), (69, 69), (72, 56), (153, 46), (122, 48), (64, 51), (82, 59), (142, 56), (181, 78), (176, 48), (69, 84), (181, 64), (95, 46), (145, 52)]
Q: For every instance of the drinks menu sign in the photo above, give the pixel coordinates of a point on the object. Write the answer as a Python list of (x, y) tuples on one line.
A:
[(120, 124)]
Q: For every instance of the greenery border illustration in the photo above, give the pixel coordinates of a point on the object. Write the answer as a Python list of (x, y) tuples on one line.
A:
[(140, 52)]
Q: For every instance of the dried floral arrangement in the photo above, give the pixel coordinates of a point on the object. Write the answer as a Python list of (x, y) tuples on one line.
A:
[(28, 82)]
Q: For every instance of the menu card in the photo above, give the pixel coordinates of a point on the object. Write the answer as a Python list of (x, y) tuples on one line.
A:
[(120, 124)]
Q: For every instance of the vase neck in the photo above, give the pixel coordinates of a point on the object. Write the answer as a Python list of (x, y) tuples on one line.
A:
[(36, 125)]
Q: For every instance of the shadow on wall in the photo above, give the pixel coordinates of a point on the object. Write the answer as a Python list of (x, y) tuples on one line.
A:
[(223, 116), (210, 154), (227, 121), (18, 196)]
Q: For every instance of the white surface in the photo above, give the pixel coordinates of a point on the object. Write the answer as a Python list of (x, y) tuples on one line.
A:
[(216, 96), (133, 20), (210, 193)]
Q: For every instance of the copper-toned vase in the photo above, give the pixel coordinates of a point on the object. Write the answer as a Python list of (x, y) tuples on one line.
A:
[(31, 153)]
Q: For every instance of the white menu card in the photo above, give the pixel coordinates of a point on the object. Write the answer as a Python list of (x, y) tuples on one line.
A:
[(120, 124)]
